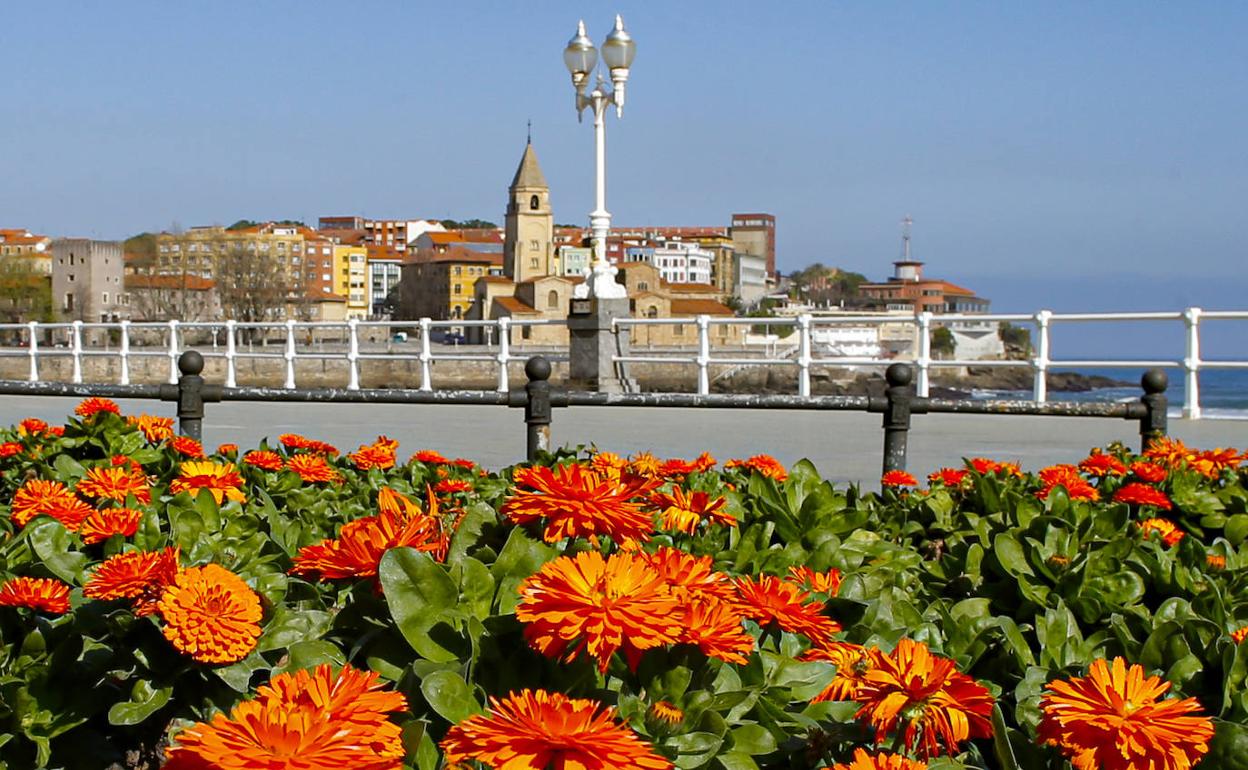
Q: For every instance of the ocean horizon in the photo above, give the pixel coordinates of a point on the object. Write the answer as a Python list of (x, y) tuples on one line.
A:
[(1223, 392)]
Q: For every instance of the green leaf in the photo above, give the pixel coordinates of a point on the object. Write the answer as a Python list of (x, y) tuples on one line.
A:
[(145, 700), (694, 749), (1001, 742), (68, 469), (238, 676), (469, 530), (753, 740), (521, 556), (310, 654), (1011, 555), (56, 547), (735, 760), (419, 592), (450, 696), (289, 626)]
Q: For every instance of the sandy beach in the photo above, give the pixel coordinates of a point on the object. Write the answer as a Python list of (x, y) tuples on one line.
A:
[(844, 446)]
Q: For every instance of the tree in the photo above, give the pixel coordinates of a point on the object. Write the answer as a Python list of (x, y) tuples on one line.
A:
[(943, 343), (25, 293), (468, 224), (822, 285), (1015, 338), (255, 287)]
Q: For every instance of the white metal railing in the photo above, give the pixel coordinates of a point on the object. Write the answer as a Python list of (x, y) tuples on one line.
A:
[(350, 341), (922, 324)]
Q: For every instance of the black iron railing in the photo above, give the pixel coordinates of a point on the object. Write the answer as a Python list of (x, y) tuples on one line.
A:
[(539, 399)]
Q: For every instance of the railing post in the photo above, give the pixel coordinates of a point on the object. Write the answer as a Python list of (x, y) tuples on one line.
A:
[(75, 345), (704, 354), (124, 353), (803, 356), (537, 407), (1191, 365), (897, 415), (1040, 363), (426, 376), (925, 353), (191, 395), (34, 350), (1153, 423), (173, 352), (353, 354), (231, 353), (290, 354), (504, 352)]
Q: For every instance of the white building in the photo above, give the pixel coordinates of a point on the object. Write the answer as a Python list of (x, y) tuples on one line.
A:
[(383, 276), (681, 262), (751, 276)]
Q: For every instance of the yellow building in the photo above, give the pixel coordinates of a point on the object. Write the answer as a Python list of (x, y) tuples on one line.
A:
[(23, 243), (196, 250), (442, 284), (351, 279)]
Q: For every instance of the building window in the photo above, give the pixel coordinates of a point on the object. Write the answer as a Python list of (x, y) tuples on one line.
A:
[(104, 298), (552, 299), (526, 332), (533, 246), (458, 270), (679, 330), (643, 286), (652, 312), (69, 301), (535, 203), (458, 289), (532, 263)]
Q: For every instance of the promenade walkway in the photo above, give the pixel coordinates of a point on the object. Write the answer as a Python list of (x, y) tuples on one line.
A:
[(843, 445)]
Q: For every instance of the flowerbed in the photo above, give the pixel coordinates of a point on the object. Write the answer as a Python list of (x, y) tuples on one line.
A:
[(233, 609)]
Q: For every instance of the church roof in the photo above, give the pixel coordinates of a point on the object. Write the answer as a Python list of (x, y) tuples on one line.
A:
[(529, 174)]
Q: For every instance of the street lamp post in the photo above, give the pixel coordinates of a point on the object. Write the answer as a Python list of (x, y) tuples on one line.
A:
[(581, 58)]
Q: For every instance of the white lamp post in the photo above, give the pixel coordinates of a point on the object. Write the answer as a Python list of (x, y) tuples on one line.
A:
[(581, 58)]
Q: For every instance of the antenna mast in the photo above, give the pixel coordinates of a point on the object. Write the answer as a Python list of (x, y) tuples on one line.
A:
[(905, 237)]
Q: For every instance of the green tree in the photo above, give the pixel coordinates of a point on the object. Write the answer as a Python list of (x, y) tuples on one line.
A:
[(943, 343), (1015, 338), (25, 293)]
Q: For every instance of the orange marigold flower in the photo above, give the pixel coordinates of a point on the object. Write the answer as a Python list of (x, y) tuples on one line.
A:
[(429, 457), (1149, 472), (1170, 452), (10, 448), (360, 544), (264, 460), (690, 577), (898, 479), (715, 628), (644, 464), (540, 729), (1239, 635), (577, 502), (821, 582), (103, 524), (1215, 561), (39, 594), (1068, 478), (312, 468), (762, 464), (310, 720), (93, 406), (187, 447), (129, 462), (210, 614), (220, 479), (985, 467), (56, 430), (463, 462), (936, 706), (684, 511), (950, 477), (675, 469), (115, 483), (227, 449), (852, 662), (885, 761), (1099, 464), (48, 498), (703, 462), (771, 600), (1211, 463), (1142, 494), (1114, 719), (293, 442), (32, 426), (154, 429), (138, 575), (594, 605), (452, 486), (380, 454), (1170, 534), (666, 712)]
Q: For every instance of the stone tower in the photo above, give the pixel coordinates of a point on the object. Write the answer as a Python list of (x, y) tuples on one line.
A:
[(528, 248)]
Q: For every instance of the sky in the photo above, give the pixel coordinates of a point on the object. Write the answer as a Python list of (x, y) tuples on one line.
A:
[(1068, 155)]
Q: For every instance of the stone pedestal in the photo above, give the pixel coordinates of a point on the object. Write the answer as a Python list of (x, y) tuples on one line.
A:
[(593, 343)]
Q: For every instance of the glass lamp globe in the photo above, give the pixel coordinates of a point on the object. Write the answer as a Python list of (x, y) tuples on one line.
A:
[(619, 49), (580, 56)]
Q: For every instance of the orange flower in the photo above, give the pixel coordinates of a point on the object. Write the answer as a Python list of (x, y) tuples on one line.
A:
[(227, 449), (10, 448), (852, 662), (690, 577), (1170, 534), (101, 525), (820, 582), (865, 761), (714, 627), (577, 502), (360, 544), (310, 720), (139, 575), (771, 600), (1239, 635), (293, 442), (93, 406), (32, 426), (1149, 472), (1215, 561), (210, 614), (379, 454), (898, 479), (763, 464), (666, 712), (608, 464), (675, 469), (539, 729), (187, 447), (950, 477), (589, 604), (924, 694), (1169, 452), (1142, 494), (452, 486), (1114, 719), (703, 462), (1099, 465), (154, 429), (48, 498), (1211, 463), (429, 457), (644, 464), (40, 594), (985, 467), (115, 483), (264, 460), (1068, 478), (220, 479), (313, 468), (460, 462), (683, 511)]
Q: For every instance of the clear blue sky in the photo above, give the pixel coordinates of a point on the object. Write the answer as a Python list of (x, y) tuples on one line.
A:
[(1070, 155)]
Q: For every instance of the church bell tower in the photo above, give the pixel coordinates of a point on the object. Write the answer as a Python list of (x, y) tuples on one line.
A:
[(528, 239)]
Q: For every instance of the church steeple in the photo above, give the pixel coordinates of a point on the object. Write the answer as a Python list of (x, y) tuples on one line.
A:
[(528, 235)]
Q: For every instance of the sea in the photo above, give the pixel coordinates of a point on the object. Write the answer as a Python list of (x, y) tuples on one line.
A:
[(1223, 392)]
